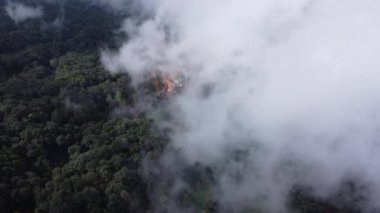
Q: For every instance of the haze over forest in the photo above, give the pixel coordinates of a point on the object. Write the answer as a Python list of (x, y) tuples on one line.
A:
[(167, 106)]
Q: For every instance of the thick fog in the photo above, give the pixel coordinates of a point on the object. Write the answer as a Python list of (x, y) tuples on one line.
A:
[(294, 85)]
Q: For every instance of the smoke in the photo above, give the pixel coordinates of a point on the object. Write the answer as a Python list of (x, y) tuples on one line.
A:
[(293, 85), (19, 12)]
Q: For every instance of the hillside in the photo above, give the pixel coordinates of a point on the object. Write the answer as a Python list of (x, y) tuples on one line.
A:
[(75, 138)]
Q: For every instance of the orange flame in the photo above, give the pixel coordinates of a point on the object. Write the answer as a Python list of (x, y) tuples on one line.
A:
[(165, 84), (169, 85)]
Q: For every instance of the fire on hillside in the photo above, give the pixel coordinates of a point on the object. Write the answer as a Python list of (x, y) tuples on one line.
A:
[(167, 84)]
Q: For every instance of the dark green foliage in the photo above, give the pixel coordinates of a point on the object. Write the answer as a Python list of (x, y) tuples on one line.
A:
[(60, 148), (102, 171)]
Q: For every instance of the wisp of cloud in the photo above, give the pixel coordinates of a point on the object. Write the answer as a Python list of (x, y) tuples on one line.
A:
[(19, 12)]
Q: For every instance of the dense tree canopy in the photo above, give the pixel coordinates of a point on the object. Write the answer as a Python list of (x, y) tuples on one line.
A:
[(62, 147)]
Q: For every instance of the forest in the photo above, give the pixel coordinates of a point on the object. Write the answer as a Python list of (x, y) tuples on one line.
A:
[(70, 137)]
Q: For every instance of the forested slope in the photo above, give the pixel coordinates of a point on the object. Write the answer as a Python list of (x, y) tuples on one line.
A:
[(61, 148), (71, 137)]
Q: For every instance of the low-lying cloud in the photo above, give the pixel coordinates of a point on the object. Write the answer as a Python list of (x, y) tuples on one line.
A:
[(19, 12), (294, 84)]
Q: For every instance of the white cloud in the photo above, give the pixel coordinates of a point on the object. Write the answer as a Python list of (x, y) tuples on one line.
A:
[(293, 82), (19, 12)]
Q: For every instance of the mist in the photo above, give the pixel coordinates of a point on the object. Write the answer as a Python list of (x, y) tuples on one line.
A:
[(293, 84), (19, 12)]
